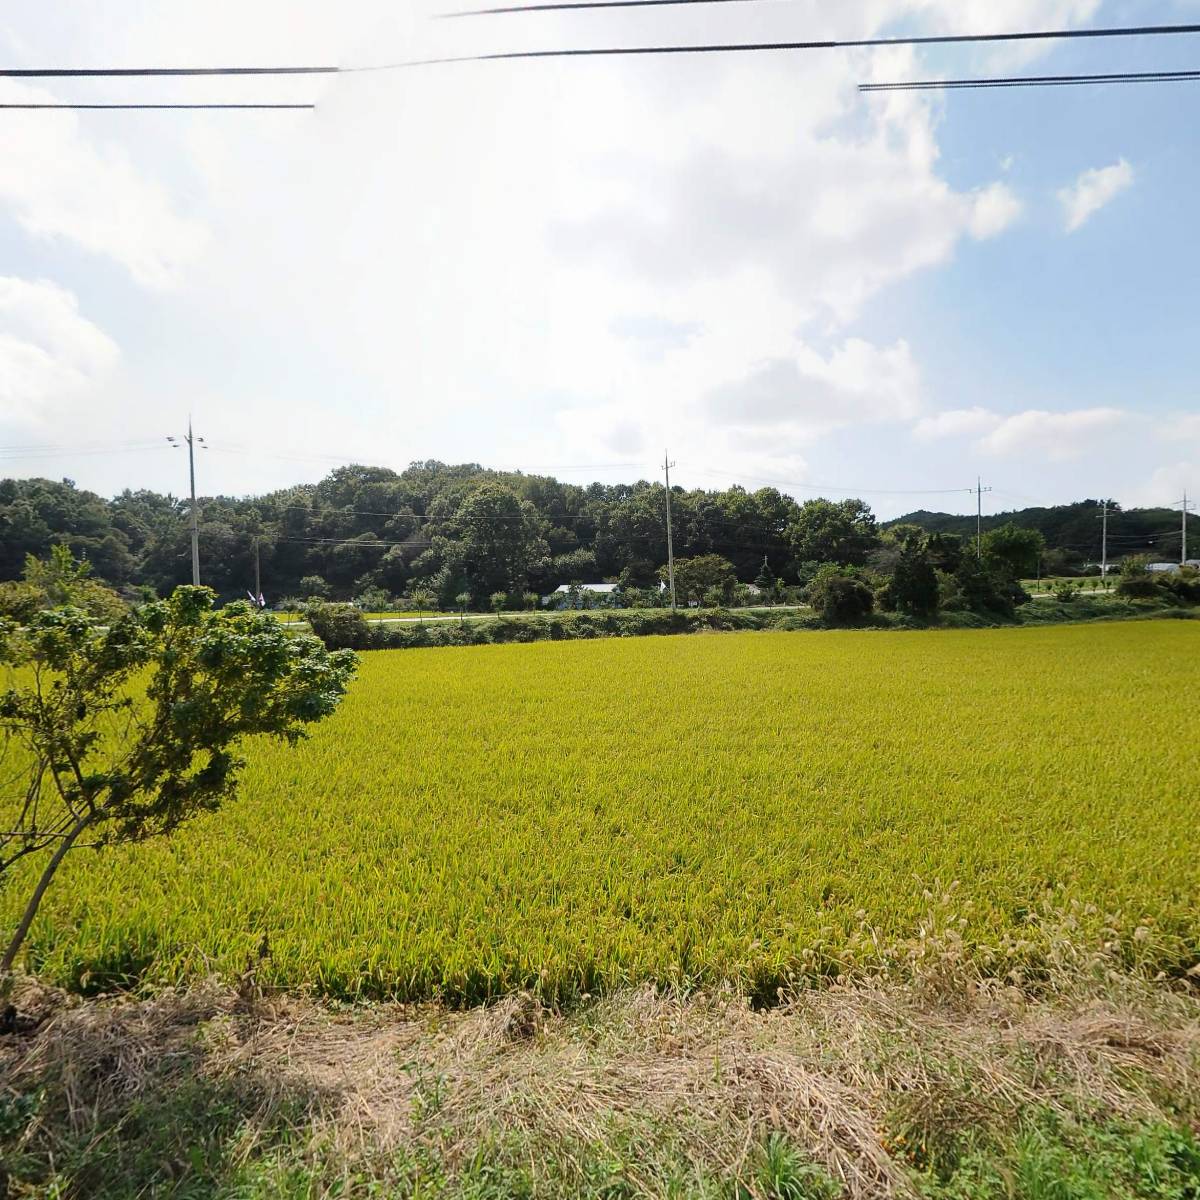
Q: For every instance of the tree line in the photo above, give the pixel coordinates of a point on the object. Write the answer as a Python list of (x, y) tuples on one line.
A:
[(466, 534)]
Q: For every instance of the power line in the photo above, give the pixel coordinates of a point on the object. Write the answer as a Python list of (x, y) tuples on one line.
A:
[(595, 51), (24, 453), (156, 107), (1021, 81), (828, 44), (580, 4), (153, 72)]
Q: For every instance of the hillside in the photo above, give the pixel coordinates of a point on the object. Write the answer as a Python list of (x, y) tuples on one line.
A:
[(1073, 528)]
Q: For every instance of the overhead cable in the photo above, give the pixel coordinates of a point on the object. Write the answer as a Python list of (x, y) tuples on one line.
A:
[(153, 107), (609, 51), (581, 4), (1024, 81)]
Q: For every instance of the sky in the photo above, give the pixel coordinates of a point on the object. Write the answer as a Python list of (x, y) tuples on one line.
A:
[(571, 266)]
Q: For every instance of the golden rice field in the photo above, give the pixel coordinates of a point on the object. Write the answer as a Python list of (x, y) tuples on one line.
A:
[(745, 807)]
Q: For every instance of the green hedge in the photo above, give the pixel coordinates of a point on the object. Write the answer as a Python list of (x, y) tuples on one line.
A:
[(573, 626)]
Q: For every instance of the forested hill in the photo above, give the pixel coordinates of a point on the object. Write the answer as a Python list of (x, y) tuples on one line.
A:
[(466, 528), (1073, 528)]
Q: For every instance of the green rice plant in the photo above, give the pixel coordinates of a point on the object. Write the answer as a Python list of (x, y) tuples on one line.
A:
[(761, 809)]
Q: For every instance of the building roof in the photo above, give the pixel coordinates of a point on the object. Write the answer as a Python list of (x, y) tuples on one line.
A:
[(606, 588)]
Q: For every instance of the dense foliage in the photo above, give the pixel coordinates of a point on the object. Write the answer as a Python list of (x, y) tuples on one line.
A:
[(584, 815), (369, 534)]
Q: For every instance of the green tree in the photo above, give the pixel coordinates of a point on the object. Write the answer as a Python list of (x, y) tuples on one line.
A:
[(314, 587), (913, 587), (101, 761), (423, 598), (1014, 550), (501, 542), (1136, 582), (339, 626), (62, 579), (765, 579), (825, 531), (694, 577), (986, 589), (841, 597)]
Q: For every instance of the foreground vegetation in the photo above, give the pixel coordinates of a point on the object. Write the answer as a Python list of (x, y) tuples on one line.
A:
[(691, 811), (945, 1086)]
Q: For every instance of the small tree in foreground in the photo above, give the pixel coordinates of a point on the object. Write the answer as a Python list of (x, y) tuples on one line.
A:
[(124, 734)]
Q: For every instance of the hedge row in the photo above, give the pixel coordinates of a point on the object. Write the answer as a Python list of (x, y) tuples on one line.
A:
[(342, 626)]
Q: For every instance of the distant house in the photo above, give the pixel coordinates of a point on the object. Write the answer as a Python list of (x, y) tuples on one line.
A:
[(1164, 568), (569, 594)]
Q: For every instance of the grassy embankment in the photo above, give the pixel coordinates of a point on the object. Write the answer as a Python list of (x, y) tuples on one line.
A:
[(940, 1087)]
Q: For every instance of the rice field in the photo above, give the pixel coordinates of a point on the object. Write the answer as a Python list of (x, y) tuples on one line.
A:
[(752, 808)]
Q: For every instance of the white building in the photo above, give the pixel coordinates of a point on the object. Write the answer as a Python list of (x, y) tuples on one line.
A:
[(560, 597), (1170, 568)]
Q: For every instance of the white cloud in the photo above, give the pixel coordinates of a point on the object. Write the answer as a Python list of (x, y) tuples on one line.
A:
[(957, 422), (48, 351), (1182, 428), (1164, 489), (811, 394), (993, 210), (1054, 435), (1092, 191), (58, 183), (542, 263)]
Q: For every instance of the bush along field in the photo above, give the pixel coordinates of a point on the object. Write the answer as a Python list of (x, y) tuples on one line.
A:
[(690, 812), (341, 626)]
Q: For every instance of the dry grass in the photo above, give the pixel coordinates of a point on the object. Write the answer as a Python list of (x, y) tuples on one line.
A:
[(868, 1078)]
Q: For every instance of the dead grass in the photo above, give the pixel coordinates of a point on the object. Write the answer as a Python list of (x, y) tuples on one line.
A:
[(869, 1078)]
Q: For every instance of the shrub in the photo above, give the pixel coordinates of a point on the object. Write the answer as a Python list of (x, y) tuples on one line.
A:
[(950, 593), (20, 600), (339, 626), (840, 597), (1066, 592), (987, 591), (57, 580), (314, 587), (1183, 585), (1136, 582), (374, 599)]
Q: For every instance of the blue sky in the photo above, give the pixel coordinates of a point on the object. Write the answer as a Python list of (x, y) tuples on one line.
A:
[(568, 266)]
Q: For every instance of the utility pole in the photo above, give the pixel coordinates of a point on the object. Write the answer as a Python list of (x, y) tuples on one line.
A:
[(192, 442), (257, 572), (1187, 506), (667, 465), (979, 490), (1104, 545)]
